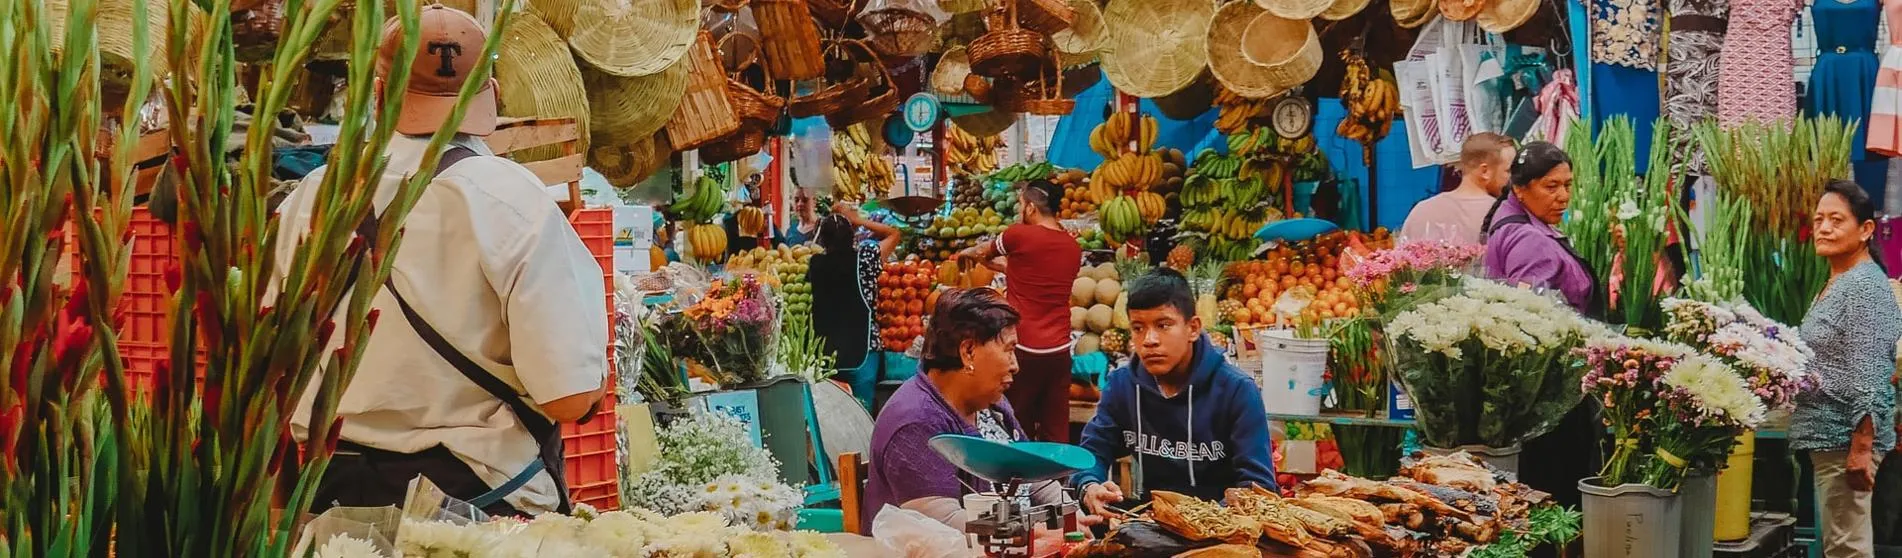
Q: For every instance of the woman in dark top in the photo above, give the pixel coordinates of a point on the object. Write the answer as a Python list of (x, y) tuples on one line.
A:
[(844, 280)]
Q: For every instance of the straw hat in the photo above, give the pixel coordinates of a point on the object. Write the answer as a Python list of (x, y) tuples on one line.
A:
[(1078, 44), (1343, 9), (1500, 16), (948, 77), (624, 109), (1289, 49), (1295, 9), (627, 164), (535, 76), (1461, 10), (559, 14), (631, 38), (1239, 75), (1413, 13), (114, 30), (1156, 47)]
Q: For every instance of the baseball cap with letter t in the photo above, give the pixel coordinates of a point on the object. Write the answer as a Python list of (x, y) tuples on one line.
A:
[(451, 45)]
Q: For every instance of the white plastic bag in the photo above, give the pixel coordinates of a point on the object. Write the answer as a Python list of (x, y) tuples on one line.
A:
[(917, 536)]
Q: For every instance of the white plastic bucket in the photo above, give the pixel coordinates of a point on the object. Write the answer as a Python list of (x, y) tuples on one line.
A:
[(1292, 372)]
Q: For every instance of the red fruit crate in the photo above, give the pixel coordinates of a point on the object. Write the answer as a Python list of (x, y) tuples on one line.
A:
[(593, 464)]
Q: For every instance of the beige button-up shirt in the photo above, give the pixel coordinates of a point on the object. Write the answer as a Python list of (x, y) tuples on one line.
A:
[(490, 262)]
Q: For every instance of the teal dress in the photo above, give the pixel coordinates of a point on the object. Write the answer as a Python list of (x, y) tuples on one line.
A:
[(1843, 82)]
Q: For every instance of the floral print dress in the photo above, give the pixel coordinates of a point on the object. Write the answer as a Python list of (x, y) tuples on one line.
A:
[(1625, 33), (1691, 73)]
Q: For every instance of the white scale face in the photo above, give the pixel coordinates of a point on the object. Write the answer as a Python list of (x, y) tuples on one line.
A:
[(1293, 117)]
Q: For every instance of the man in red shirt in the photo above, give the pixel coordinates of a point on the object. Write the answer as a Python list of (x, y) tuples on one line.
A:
[(1039, 260)]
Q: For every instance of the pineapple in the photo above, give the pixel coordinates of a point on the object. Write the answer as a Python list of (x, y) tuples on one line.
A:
[(1115, 341), (1182, 258)]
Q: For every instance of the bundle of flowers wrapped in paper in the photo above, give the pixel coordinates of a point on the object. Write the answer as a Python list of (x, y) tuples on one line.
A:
[(1395, 278), (708, 463), (634, 533), (1668, 409), (1491, 365), (730, 331), (1771, 357)]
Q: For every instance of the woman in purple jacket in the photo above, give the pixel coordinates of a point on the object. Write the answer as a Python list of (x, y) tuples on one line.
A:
[(1524, 248)]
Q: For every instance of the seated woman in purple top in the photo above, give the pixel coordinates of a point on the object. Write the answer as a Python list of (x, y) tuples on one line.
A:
[(969, 358), (1522, 247)]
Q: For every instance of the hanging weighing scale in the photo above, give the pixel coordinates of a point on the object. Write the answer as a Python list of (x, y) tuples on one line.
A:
[(1008, 528)]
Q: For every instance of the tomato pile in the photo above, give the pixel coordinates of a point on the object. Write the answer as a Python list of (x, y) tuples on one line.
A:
[(906, 293)]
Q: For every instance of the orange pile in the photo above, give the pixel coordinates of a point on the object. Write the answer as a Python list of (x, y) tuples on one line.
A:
[(1312, 270), (906, 292)]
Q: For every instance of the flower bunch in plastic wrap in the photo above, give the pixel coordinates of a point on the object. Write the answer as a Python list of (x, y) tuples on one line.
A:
[(732, 330), (701, 458), (1770, 357), (1395, 279)]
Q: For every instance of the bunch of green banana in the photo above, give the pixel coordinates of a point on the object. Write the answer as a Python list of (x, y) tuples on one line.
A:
[(1121, 218), (702, 202), (1246, 145), (1040, 170), (1245, 193), (1218, 166)]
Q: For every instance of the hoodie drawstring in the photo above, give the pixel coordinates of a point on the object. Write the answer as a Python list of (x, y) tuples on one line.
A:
[(1191, 456), (1138, 451)]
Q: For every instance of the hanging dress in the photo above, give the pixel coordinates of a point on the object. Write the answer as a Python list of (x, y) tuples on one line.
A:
[(1885, 118), (1690, 84), (1757, 79), (1843, 82)]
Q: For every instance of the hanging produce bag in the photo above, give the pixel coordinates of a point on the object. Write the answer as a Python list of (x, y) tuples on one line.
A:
[(1482, 67)]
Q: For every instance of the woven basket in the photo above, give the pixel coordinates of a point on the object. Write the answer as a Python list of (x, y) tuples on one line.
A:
[(727, 6), (1409, 11), (535, 76), (835, 14), (948, 77), (630, 38), (1045, 16), (738, 50), (985, 124), (756, 108), (955, 7), (898, 32), (622, 110), (254, 32), (560, 14), (846, 82), (705, 113), (115, 42), (789, 39), (1078, 44), (1009, 53), (740, 144), (1237, 73), (1343, 9), (627, 164), (1295, 9), (1150, 52), (881, 94), (1500, 16), (1289, 50), (1461, 10), (980, 88)]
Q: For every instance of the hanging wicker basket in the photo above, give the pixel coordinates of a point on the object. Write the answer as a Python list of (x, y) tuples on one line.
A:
[(634, 37), (1289, 50), (1009, 53), (705, 113), (727, 6), (560, 14), (1295, 9), (627, 164), (254, 32), (899, 32), (948, 77), (1413, 13), (622, 110), (1461, 10), (1343, 9), (1044, 16), (846, 82), (738, 50), (116, 54), (955, 7), (881, 95), (756, 107), (1078, 45), (740, 144), (789, 39), (536, 77), (1152, 51), (834, 14), (1500, 16), (1240, 75)]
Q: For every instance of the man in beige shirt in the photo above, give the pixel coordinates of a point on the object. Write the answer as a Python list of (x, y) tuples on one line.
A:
[(494, 328), (1485, 166)]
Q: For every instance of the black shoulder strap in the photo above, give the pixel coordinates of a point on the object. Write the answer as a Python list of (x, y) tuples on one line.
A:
[(546, 433), (1514, 219)]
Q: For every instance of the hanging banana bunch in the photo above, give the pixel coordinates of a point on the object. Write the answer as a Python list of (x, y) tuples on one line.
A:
[(1372, 102), (859, 167), (969, 155)]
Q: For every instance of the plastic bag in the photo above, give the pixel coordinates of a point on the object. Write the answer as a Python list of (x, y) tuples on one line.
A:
[(917, 536)]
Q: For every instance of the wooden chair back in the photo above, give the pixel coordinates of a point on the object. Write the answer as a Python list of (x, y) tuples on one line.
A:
[(516, 134), (853, 472)]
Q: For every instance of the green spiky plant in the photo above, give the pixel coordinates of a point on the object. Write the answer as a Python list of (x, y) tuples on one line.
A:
[(1778, 171), (204, 464)]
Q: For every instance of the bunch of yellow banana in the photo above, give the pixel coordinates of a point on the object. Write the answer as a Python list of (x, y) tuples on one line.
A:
[(1372, 102), (1238, 112), (1151, 206), (858, 167), (969, 155), (752, 221), (1114, 136), (707, 242), (1128, 172)]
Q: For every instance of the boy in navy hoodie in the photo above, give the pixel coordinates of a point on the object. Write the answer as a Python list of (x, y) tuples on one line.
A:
[(1194, 423)]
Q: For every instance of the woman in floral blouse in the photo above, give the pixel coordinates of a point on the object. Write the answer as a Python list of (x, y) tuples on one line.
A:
[(1853, 328)]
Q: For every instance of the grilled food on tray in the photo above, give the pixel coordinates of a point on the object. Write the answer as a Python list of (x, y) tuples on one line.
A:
[(1223, 551), (1458, 470), (1266, 510), (1200, 519), (1333, 483)]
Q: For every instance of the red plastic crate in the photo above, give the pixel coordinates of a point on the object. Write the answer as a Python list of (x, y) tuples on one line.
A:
[(593, 464)]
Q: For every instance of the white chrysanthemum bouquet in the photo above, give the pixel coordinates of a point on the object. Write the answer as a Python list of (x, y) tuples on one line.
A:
[(1491, 365), (1771, 357)]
